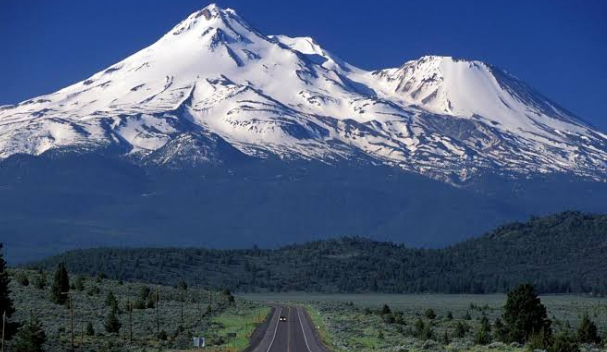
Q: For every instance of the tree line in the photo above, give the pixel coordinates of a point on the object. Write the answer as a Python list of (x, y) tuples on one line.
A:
[(561, 253)]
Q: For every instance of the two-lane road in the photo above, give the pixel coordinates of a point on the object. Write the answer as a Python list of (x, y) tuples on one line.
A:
[(297, 334)]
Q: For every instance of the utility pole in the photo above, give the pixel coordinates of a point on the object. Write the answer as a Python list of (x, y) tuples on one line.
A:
[(82, 339), (182, 299), (198, 299), (3, 327), (157, 313), (71, 302), (130, 308)]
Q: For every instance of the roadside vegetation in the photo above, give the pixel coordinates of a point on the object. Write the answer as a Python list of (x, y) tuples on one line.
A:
[(57, 311), (519, 323)]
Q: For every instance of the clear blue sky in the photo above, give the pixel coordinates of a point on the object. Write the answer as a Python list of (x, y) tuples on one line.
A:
[(558, 47)]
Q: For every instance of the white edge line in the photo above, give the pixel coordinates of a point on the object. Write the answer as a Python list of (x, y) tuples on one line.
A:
[(275, 330), (303, 330)]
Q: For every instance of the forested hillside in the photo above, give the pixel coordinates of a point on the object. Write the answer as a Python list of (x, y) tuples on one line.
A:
[(560, 253)]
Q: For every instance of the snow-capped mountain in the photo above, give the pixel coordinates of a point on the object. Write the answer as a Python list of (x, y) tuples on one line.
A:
[(214, 87)]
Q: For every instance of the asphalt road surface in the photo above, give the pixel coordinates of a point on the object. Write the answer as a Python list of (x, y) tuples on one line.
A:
[(297, 334)]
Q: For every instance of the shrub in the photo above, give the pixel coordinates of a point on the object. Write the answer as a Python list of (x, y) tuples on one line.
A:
[(79, 283), (40, 280), (22, 279), (182, 285), (540, 340), (430, 314), (93, 291), (563, 342)]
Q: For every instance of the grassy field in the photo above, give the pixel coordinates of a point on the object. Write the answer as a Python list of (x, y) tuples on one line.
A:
[(205, 313), (350, 322)]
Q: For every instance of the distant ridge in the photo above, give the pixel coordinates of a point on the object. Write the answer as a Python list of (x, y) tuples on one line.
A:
[(561, 253)]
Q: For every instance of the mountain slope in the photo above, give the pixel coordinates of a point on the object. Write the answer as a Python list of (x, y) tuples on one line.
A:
[(219, 134), (214, 80), (560, 253)]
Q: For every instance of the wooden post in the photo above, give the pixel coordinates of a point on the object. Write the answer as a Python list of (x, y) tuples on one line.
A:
[(3, 327)]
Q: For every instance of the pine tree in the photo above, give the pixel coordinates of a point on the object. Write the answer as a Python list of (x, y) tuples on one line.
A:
[(483, 334), (500, 332), (446, 340), (525, 315), (182, 285), (61, 285), (419, 328), (6, 304), (110, 300), (112, 324), (587, 332), (40, 280), (461, 329), (89, 330), (30, 338)]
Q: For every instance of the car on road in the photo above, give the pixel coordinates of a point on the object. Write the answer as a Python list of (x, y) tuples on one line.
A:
[(283, 318)]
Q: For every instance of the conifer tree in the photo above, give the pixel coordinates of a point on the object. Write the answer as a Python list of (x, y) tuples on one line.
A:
[(30, 338), (525, 315), (588, 332), (61, 285), (6, 304), (112, 324)]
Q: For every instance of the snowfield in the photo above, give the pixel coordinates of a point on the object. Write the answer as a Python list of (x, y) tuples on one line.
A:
[(213, 80)]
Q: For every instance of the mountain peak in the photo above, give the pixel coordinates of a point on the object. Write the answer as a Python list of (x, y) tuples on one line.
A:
[(213, 10), (215, 75), (211, 16)]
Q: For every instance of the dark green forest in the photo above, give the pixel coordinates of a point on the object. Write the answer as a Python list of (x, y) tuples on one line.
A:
[(561, 253)]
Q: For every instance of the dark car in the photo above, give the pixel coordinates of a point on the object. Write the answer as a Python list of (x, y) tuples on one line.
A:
[(283, 318)]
